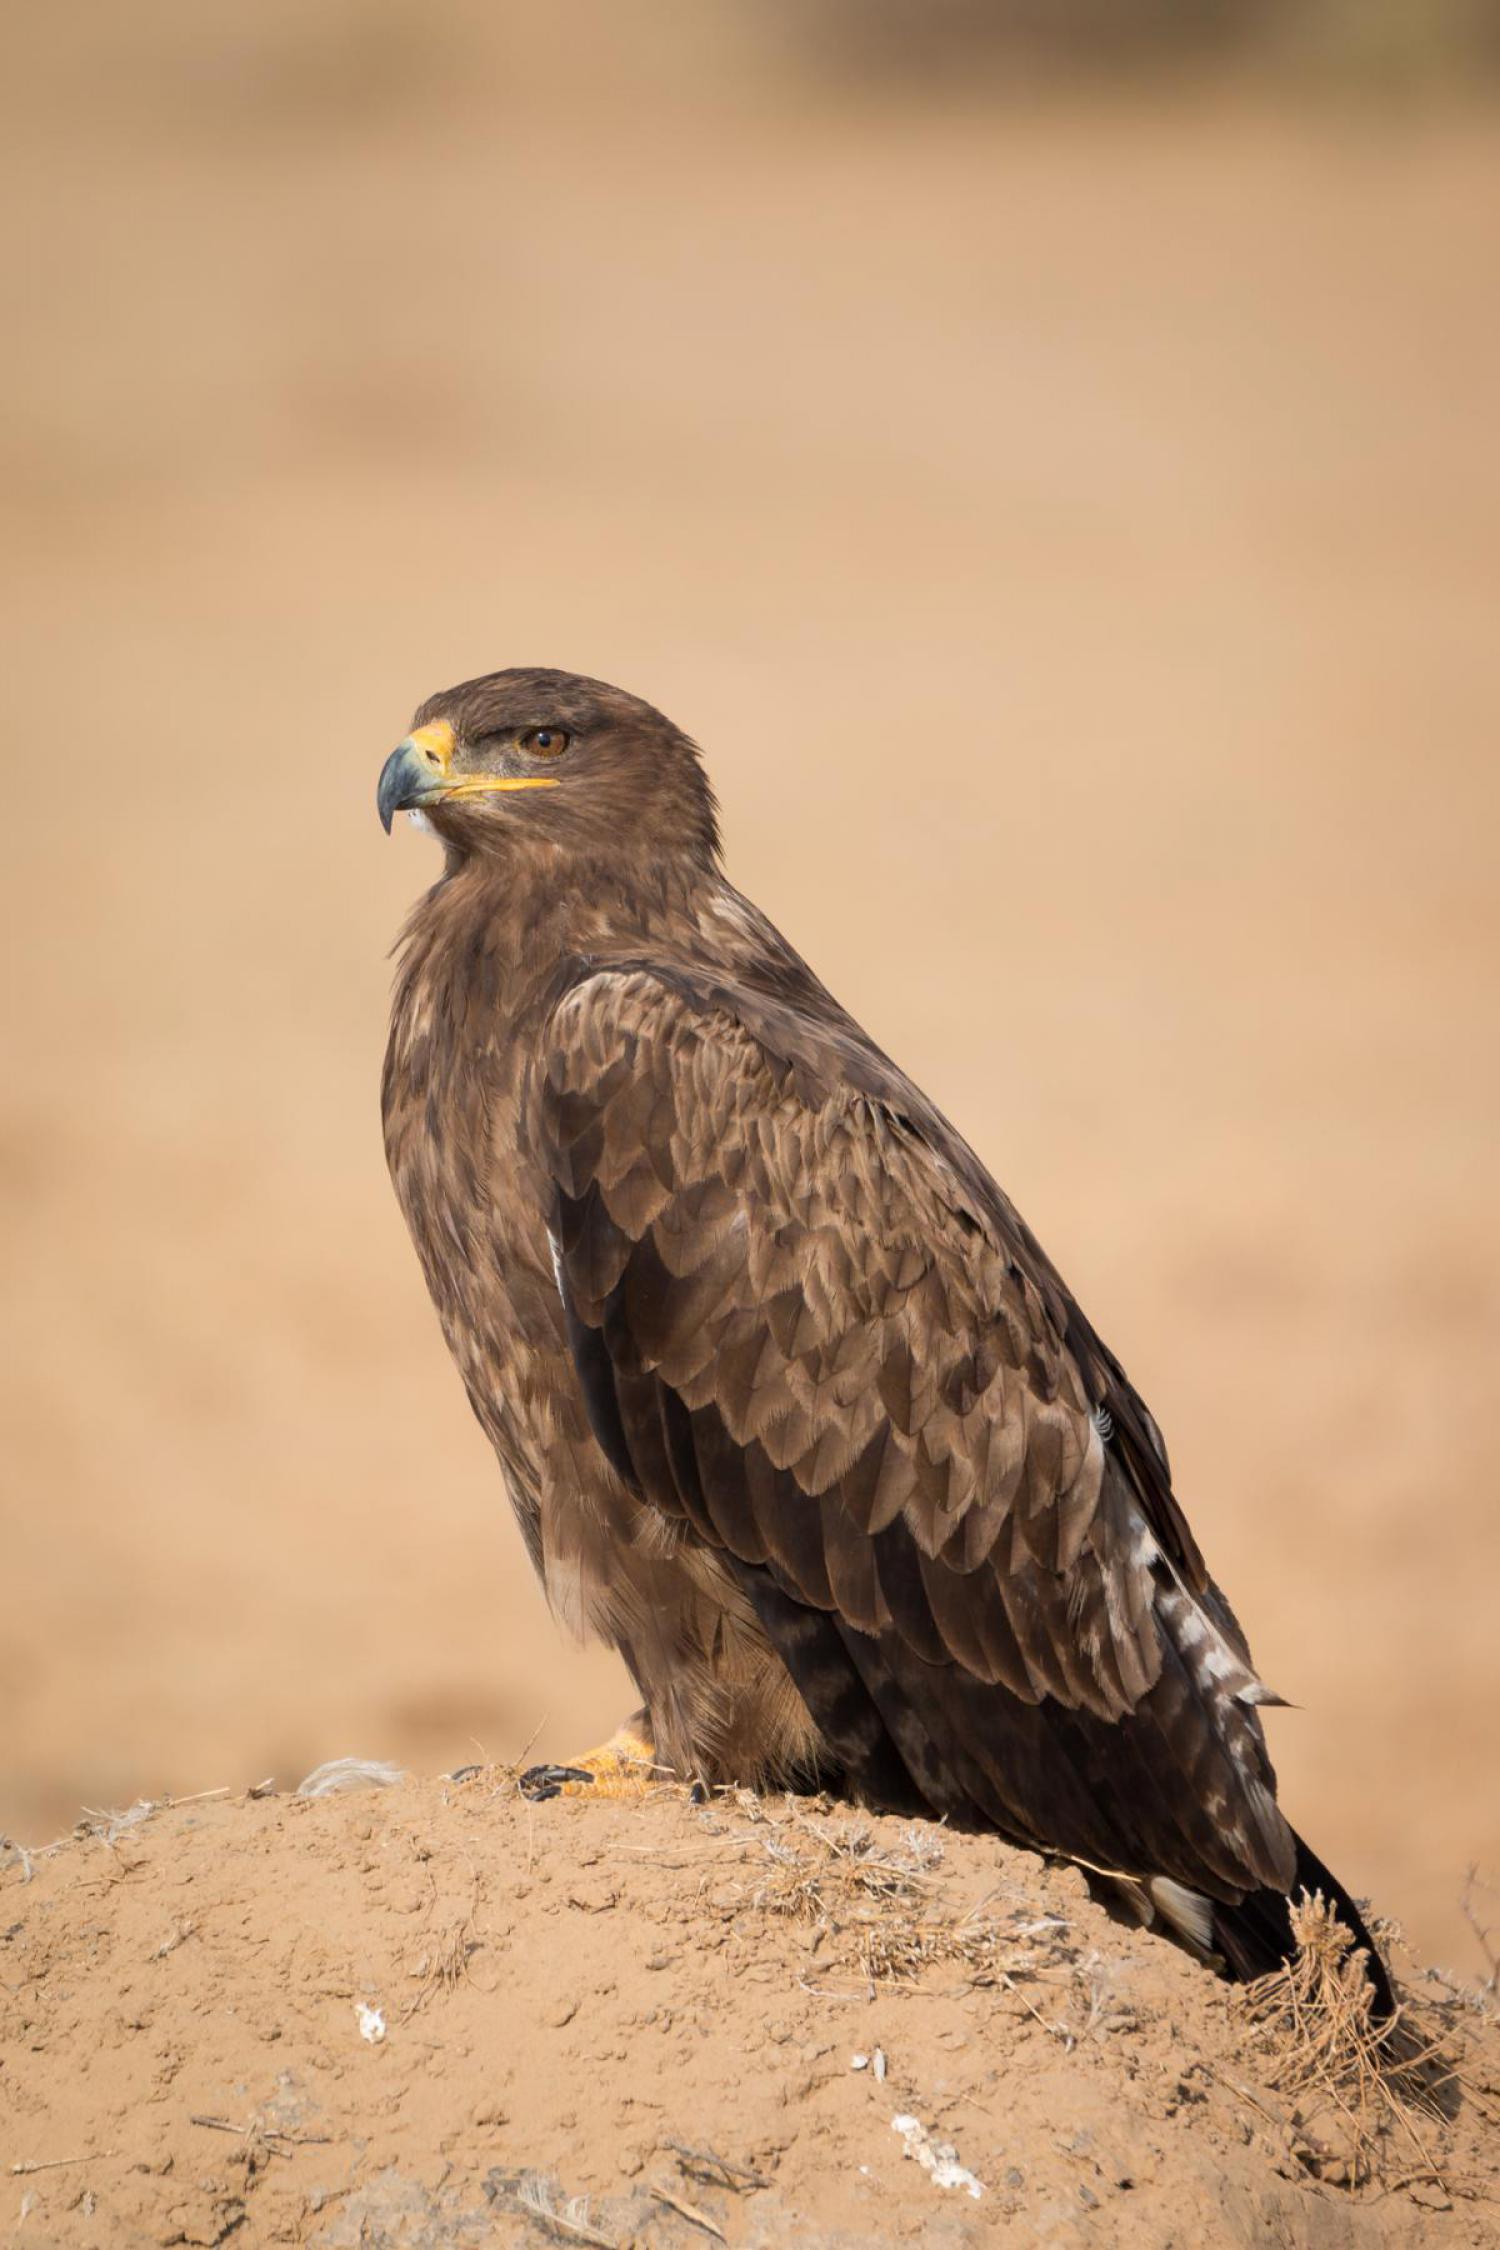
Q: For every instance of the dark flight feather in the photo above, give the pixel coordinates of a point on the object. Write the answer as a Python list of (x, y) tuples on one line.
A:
[(1054, 1636)]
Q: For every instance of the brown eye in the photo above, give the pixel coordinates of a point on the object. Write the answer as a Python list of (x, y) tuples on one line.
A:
[(543, 742)]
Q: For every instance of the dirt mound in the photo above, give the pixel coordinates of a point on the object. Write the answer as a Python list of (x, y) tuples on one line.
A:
[(436, 2014)]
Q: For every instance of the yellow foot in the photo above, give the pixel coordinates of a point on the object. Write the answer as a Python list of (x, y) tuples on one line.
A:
[(625, 1766)]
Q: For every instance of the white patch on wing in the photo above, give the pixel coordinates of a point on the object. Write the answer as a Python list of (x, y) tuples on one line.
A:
[(1144, 1550), (557, 1273), (1215, 1664), (1188, 1911)]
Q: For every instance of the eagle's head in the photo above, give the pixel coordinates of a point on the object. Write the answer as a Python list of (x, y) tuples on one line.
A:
[(541, 759)]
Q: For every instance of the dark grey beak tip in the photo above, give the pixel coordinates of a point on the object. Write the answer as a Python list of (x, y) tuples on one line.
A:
[(393, 791)]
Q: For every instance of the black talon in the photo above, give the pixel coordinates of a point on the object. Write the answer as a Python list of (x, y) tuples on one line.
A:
[(541, 1782)]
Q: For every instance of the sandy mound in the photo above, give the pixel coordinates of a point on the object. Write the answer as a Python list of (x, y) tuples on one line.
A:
[(434, 2014)]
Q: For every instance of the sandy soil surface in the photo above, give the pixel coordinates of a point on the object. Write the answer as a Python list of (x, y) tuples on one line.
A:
[(438, 2015), (1073, 533)]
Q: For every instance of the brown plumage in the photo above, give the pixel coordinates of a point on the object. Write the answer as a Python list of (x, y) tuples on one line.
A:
[(793, 1408)]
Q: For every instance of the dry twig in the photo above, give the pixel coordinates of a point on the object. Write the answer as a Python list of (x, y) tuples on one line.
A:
[(714, 2170), (258, 2131), (690, 2212), (1485, 1932), (59, 2163)]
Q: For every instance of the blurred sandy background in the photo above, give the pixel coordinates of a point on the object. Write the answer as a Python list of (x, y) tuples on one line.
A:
[(1064, 502)]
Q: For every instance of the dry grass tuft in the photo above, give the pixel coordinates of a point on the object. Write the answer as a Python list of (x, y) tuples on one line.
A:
[(877, 1915), (870, 1909), (449, 1940), (443, 1964), (1369, 2100)]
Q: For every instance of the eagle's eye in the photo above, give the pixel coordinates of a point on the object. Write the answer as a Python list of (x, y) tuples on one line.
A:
[(543, 742)]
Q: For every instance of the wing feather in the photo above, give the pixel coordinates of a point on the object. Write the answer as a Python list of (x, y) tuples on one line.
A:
[(810, 1329)]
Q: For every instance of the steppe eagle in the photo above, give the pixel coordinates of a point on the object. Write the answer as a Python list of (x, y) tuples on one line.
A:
[(794, 1410)]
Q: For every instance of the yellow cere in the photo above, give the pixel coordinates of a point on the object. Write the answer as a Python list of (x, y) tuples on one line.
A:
[(434, 741)]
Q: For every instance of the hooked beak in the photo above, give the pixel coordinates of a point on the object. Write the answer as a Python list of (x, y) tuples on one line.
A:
[(415, 772), (419, 771)]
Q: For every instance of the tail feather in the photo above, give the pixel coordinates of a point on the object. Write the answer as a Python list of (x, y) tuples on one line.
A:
[(1255, 1937)]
